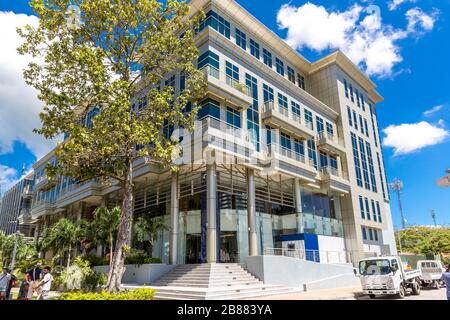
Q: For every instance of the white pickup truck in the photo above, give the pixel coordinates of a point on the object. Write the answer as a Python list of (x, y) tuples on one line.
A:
[(431, 273), (387, 276)]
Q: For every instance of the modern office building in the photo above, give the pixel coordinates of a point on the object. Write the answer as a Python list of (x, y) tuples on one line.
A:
[(286, 155)]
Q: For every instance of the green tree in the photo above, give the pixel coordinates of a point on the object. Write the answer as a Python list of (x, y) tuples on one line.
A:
[(63, 236), (424, 240), (148, 226), (121, 49)]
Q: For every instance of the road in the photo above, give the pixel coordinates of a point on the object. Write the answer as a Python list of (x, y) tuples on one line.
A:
[(425, 294)]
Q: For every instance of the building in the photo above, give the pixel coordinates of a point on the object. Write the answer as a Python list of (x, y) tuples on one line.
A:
[(286, 155)]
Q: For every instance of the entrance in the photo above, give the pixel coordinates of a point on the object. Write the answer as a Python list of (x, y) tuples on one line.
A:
[(228, 247), (193, 248)]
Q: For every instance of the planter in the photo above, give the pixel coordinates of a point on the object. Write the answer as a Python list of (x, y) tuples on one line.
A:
[(145, 274)]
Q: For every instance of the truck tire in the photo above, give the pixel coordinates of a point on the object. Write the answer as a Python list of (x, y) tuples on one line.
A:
[(372, 296), (435, 284), (402, 292), (415, 288)]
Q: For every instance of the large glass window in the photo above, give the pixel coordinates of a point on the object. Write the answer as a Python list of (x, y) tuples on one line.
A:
[(330, 129), (381, 176), (374, 213), (349, 114), (216, 22), (363, 103), (373, 181), (319, 124), (209, 108), (267, 57), (232, 73), (361, 207), (323, 160), (333, 163), (291, 74), (241, 39), (283, 104), (346, 88), (366, 127), (254, 49), (233, 117), (280, 66), (309, 119), (299, 147), (285, 141), (312, 154), (356, 160), (253, 112), (268, 94), (209, 60), (361, 124), (301, 81), (367, 208), (379, 212), (363, 156), (357, 97), (295, 110), (364, 233), (355, 120), (352, 97)]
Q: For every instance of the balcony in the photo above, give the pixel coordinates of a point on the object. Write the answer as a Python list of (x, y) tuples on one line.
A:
[(284, 118), (27, 192), (44, 183), (24, 216), (89, 191), (42, 208), (331, 178), (226, 88), (330, 143)]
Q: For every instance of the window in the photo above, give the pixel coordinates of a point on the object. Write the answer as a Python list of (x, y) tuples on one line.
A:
[(352, 97), (355, 120), (361, 207), (363, 104), (381, 175), (295, 110), (319, 124), (346, 88), (373, 126), (280, 66), (374, 213), (241, 39), (233, 118), (285, 141), (283, 104), (364, 233), (209, 60), (291, 74), (216, 22), (170, 82), (366, 127), (367, 208), (370, 234), (312, 154), (330, 130), (361, 124), (333, 163), (299, 147), (363, 156), (356, 160), (301, 81), (253, 112), (309, 119), (375, 233), (349, 114), (232, 73), (373, 182), (379, 212), (267, 57), (209, 108), (254, 49), (357, 98), (323, 160), (268, 94)]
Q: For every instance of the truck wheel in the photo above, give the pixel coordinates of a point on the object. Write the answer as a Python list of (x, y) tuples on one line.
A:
[(415, 288), (435, 284), (372, 296), (402, 292)]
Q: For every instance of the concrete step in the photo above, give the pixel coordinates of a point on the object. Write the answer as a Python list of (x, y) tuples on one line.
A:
[(206, 284), (211, 277)]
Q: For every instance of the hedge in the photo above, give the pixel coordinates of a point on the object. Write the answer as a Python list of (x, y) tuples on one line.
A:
[(138, 294)]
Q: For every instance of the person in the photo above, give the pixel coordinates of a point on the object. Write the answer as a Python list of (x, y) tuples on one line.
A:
[(11, 284), (26, 289), (446, 278), (35, 275), (45, 284), (5, 278)]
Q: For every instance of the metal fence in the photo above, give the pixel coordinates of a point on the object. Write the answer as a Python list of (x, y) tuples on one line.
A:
[(319, 256)]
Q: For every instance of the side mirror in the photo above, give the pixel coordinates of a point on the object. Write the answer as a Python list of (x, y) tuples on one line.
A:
[(394, 270), (355, 271)]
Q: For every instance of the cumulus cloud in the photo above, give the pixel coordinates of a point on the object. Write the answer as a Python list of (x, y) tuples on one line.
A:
[(361, 35), (407, 138), (8, 177), (433, 110), (19, 106), (394, 4)]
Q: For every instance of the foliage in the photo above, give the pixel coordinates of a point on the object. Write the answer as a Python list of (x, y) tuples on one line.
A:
[(424, 240), (147, 226), (105, 226), (80, 276), (122, 50), (26, 251), (139, 257), (138, 294), (96, 261)]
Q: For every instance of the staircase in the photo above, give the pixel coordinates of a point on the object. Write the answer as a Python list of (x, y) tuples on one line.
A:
[(212, 282)]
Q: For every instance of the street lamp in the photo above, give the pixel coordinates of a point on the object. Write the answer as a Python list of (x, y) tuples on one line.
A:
[(397, 185)]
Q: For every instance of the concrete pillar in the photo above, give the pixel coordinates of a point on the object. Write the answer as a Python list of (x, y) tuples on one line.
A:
[(36, 233), (174, 217), (98, 251), (251, 214), (339, 165), (298, 205), (211, 198)]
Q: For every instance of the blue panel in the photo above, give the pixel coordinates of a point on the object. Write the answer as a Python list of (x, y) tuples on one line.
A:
[(312, 247), (292, 237)]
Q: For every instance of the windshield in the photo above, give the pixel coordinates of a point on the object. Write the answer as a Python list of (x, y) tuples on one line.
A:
[(378, 267)]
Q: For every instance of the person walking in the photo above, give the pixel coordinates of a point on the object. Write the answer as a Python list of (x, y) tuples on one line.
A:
[(11, 284), (35, 276), (45, 284), (5, 278), (446, 278), (26, 289)]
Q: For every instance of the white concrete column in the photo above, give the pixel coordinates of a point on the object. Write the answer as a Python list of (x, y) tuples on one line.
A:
[(211, 198), (298, 205), (251, 213), (174, 217), (339, 165)]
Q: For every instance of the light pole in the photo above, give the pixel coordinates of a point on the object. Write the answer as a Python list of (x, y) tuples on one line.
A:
[(13, 260), (397, 185), (433, 216)]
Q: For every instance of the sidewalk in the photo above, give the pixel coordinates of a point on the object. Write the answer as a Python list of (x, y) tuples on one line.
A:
[(349, 293)]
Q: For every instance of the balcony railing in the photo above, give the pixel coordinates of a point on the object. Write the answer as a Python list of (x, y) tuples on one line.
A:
[(326, 136), (230, 81), (319, 256), (324, 171)]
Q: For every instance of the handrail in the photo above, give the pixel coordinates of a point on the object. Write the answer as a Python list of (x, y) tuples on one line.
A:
[(220, 75), (319, 256)]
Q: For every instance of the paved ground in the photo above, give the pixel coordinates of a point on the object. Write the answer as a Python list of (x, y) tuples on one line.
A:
[(425, 294)]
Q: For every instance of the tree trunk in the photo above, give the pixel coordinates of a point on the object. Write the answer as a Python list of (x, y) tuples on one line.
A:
[(68, 257), (117, 269), (110, 257)]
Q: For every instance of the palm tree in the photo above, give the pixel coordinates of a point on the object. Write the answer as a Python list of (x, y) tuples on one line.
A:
[(63, 236), (2, 245), (148, 226), (106, 225)]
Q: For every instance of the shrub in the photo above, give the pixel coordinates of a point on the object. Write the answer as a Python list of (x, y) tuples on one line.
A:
[(96, 261), (138, 294), (80, 276), (139, 257)]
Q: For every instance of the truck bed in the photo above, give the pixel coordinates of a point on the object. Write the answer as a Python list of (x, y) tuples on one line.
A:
[(411, 274)]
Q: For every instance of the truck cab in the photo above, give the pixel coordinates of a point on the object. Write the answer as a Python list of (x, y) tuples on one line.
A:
[(387, 276)]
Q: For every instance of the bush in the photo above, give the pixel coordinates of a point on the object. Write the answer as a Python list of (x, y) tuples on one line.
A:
[(96, 261), (138, 294), (80, 276), (139, 257)]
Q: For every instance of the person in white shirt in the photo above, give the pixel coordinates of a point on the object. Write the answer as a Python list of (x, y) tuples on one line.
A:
[(45, 284)]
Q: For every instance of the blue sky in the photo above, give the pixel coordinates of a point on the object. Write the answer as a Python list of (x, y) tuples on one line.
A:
[(405, 53)]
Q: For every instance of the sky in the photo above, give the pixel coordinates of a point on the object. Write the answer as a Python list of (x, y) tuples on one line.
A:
[(402, 45)]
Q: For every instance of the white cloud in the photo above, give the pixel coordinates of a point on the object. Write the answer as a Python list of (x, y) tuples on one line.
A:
[(394, 4), (407, 138), (8, 177), (19, 106), (433, 110), (362, 37)]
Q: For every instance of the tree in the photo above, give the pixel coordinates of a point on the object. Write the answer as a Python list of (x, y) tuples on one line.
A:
[(121, 49), (63, 236), (424, 240), (148, 226)]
